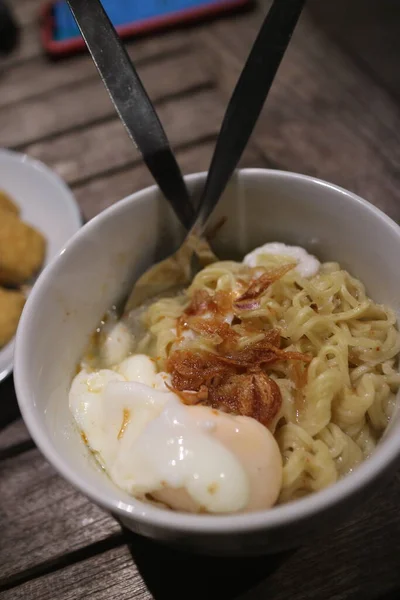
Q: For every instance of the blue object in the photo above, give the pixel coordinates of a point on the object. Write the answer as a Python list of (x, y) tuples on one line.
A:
[(122, 12)]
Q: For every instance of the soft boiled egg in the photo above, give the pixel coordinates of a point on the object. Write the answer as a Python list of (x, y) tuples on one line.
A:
[(190, 458), (307, 264)]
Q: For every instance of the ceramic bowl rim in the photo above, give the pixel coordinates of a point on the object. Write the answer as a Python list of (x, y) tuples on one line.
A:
[(147, 514)]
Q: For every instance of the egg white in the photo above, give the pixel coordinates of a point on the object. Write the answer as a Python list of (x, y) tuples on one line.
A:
[(189, 457)]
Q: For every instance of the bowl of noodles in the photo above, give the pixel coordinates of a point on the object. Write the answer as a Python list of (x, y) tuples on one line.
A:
[(241, 410)]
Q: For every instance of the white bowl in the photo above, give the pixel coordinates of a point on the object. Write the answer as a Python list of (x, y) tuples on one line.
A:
[(46, 203), (98, 265)]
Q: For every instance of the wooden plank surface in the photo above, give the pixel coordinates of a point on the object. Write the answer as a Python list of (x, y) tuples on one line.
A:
[(340, 566), (371, 36), (319, 119), (13, 435), (69, 108), (110, 575), (42, 516), (37, 77), (104, 191), (26, 12), (106, 147), (28, 48)]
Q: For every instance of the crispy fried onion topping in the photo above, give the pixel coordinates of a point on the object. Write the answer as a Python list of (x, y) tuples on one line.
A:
[(230, 378), (236, 384), (251, 297)]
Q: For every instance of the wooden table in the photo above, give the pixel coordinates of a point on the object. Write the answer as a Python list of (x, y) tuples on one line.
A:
[(334, 113)]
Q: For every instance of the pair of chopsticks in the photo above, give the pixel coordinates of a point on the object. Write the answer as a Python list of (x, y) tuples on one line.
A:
[(140, 119)]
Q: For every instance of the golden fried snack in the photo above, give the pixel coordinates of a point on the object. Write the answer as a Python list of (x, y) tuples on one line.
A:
[(11, 305), (22, 250), (7, 203)]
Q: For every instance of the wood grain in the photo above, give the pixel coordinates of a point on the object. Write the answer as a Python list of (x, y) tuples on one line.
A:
[(26, 12), (73, 107), (40, 76), (13, 434), (318, 118), (28, 48), (105, 147), (111, 575), (104, 191), (353, 561), (356, 561), (42, 516), (369, 36)]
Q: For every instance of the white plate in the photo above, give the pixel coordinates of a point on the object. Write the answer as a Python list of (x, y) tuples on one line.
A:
[(47, 203)]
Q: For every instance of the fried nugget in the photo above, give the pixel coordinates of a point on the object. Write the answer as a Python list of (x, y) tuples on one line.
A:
[(7, 203), (11, 305), (22, 250)]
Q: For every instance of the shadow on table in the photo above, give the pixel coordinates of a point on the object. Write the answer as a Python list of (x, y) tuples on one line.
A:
[(368, 30), (9, 410), (166, 571)]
